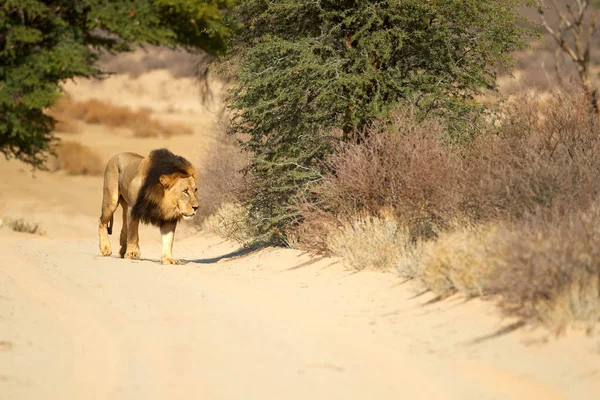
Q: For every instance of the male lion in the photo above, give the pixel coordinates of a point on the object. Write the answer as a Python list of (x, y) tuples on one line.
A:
[(159, 190)]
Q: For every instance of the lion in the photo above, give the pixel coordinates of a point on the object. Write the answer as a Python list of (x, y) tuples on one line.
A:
[(159, 189)]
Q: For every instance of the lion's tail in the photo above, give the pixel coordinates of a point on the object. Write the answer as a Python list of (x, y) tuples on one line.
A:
[(110, 224)]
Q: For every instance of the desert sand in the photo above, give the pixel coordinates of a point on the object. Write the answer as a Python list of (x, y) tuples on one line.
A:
[(234, 323)]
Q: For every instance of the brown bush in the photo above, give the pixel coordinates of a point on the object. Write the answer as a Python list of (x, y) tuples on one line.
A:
[(313, 233), (546, 157), (77, 159), (405, 167), (95, 111), (548, 270)]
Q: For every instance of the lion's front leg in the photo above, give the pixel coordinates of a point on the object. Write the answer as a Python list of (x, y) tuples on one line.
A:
[(123, 236), (133, 240), (167, 232)]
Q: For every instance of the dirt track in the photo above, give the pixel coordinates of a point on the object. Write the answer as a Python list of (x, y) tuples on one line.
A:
[(268, 324)]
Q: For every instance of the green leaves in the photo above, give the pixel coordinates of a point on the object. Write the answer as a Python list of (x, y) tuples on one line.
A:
[(311, 74), (43, 43)]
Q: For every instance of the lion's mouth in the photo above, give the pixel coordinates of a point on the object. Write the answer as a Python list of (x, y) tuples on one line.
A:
[(189, 216)]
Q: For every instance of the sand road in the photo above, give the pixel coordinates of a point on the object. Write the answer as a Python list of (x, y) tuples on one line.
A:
[(267, 324)]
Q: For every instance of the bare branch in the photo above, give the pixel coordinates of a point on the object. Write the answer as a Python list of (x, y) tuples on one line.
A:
[(572, 23), (593, 24)]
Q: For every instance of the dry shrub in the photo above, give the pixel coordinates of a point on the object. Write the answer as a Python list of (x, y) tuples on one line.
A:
[(230, 221), (95, 111), (405, 167), (77, 159), (545, 159), (220, 177), (367, 242), (151, 128), (457, 261), (222, 187), (99, 112), (312, 234), (548, 270)]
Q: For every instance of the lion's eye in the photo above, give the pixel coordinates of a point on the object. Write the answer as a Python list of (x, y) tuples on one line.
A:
[(196, 190), (186, 192)]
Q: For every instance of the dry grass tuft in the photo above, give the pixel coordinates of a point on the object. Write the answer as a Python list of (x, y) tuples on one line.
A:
[(76, 159), (93, 111), (367, 242), (312, 234), (457, 262), (21, 225), (230, 221)]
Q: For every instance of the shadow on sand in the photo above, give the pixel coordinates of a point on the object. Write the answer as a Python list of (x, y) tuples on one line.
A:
[(498, 333), (234, 254)]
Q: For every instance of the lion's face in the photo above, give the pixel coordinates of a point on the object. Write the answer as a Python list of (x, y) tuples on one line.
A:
[(182, 194)]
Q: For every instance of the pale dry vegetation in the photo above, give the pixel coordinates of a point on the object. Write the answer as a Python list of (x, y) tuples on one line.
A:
[(76, 159), (220, 174), (221, 188), (457, 261), (230, 221), (140, 122), (369, 242)]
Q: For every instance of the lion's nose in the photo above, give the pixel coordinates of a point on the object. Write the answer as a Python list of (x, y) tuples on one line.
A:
[(195, 207)]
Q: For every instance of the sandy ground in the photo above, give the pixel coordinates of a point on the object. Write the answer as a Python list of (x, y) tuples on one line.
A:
[(234, 324)]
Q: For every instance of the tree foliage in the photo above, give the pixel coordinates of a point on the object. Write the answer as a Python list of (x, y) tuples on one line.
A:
[(313, 73), (43, 43)]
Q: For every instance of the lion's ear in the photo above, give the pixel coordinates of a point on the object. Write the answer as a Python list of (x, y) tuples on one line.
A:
[(168, 180)]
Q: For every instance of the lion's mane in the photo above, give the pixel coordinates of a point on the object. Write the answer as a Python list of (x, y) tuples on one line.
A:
[(150, 207)]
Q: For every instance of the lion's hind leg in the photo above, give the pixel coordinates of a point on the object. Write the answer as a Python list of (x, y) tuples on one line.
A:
[(110, 201), (133, 245)]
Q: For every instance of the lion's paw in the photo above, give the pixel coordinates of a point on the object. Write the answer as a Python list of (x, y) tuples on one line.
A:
[(170, 261), (133, 255), (105, 250)]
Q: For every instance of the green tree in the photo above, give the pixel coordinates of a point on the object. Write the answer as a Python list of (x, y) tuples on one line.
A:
[(311, 73), (43, 43)]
